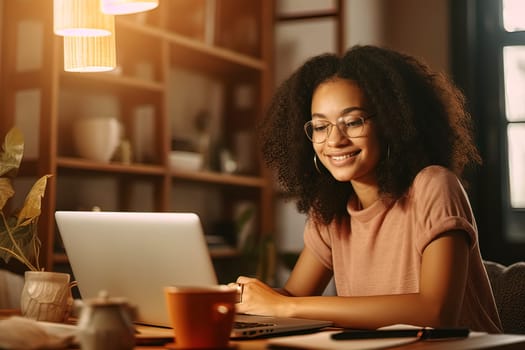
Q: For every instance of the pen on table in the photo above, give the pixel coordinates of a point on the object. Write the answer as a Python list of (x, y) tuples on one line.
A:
[(421, 333)]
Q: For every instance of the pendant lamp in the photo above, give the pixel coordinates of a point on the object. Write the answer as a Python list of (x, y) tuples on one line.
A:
[(81, 18), (89, 53), (123, 7)]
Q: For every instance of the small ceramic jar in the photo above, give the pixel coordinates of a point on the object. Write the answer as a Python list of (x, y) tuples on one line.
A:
[(106, 324)]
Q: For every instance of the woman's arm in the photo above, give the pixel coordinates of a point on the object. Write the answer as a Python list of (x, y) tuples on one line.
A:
[(443, 279), (308, 277)]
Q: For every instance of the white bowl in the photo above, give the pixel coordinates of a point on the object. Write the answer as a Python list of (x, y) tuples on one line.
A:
[(183, 160), (96, 138)]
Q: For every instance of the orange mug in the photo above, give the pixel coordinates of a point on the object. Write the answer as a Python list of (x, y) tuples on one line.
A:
[(202, 317)]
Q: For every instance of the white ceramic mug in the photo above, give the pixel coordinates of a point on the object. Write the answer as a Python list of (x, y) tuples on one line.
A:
[(96, 138)]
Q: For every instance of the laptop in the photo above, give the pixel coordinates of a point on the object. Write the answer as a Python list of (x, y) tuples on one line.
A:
[(135, 254)]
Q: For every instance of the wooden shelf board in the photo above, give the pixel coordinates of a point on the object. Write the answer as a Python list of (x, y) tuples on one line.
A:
[(226, 252), (134, 168), (116, 79), (307, 15), (60, 258), (219, 178), (184, 43)]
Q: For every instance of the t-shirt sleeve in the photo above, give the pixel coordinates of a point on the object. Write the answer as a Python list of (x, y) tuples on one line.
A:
[(442, 205), (318, 240)]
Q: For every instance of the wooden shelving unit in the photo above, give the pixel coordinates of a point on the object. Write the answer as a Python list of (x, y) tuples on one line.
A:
[(229, 42)]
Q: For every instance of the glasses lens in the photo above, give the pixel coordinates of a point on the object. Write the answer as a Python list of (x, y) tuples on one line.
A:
[(353, 125), (317, 131)]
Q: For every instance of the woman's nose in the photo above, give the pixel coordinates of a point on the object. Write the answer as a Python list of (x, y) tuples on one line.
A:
[(336, 136)]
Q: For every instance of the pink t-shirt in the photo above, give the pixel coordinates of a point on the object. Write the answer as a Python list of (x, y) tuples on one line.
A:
[(378, 250)]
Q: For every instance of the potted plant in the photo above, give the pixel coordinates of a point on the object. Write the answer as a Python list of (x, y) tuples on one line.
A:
[(46, 296)]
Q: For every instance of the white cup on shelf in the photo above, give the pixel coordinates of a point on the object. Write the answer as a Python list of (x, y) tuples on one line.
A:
[(96, 138)]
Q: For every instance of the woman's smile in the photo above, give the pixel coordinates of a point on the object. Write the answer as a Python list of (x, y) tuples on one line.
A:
[(342, 157)]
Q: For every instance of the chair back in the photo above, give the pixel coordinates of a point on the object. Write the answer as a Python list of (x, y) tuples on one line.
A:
[(508, 286)]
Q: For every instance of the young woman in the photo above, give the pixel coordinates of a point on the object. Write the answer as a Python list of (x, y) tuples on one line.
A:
[(373, 146)]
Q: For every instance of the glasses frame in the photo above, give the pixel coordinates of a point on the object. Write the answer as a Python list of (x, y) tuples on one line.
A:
[(339, 122)]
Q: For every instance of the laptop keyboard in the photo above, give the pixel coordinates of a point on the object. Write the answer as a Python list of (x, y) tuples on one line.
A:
[(244, 325)]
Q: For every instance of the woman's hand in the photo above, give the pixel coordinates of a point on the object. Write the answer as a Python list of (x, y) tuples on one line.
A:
[(258, 298)]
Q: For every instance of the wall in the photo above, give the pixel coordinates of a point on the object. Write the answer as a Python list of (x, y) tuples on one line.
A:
[(420, 28)]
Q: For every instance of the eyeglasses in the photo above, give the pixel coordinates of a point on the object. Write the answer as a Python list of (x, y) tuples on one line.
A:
[(351, 125)]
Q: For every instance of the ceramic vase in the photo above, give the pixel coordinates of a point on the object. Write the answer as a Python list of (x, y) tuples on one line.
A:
[(46, 296), (97, 138)]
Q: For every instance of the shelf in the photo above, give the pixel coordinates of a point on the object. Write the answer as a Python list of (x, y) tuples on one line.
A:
[(60, 258), (134, 168), (308, 15), (212, 59), (225, 252), (223, 62), (219, 178), (115, 80)]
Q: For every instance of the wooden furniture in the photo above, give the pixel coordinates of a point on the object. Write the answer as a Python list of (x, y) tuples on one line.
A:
[(189, 70), (484, 342), (335, 13), (477, 342)]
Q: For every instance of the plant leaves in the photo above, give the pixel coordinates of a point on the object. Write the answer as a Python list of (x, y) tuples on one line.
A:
[(32, 205), (6, 191), (12, 151), (26, 237)]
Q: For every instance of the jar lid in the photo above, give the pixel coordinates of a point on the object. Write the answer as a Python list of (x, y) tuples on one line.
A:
[(103, 299)]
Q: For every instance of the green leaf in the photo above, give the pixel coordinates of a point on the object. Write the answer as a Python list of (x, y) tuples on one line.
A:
[(32, 205), (12, 151), (25, 236)]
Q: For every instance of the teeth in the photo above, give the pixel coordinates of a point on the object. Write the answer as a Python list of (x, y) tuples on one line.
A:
[(343, 157)]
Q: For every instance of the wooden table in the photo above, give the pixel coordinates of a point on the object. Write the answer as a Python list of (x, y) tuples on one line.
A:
[(475, 342), (484, 342), (481, 342)]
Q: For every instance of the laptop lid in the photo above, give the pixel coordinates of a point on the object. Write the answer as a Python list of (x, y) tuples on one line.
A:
[(134, 255)]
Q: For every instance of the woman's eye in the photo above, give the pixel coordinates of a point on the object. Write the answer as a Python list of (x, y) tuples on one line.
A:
[(320, 127), (354, 123)]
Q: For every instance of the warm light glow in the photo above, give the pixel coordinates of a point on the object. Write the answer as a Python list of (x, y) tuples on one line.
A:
[(89, 53), (81, 18), (122, 7)]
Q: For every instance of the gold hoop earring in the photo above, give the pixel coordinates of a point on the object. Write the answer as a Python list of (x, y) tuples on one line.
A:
[(315, 164)]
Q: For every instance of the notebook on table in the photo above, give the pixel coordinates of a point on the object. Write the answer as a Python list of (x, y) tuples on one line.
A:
[(136, 254)]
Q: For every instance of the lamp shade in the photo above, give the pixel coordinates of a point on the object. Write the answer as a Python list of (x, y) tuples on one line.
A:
[(81, 18), (89, 53), (122, 7)]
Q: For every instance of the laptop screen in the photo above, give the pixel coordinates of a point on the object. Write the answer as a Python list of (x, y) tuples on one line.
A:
[(134, 255)]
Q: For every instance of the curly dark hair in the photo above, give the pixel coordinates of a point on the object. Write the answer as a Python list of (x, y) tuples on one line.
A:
[(420, 116)]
